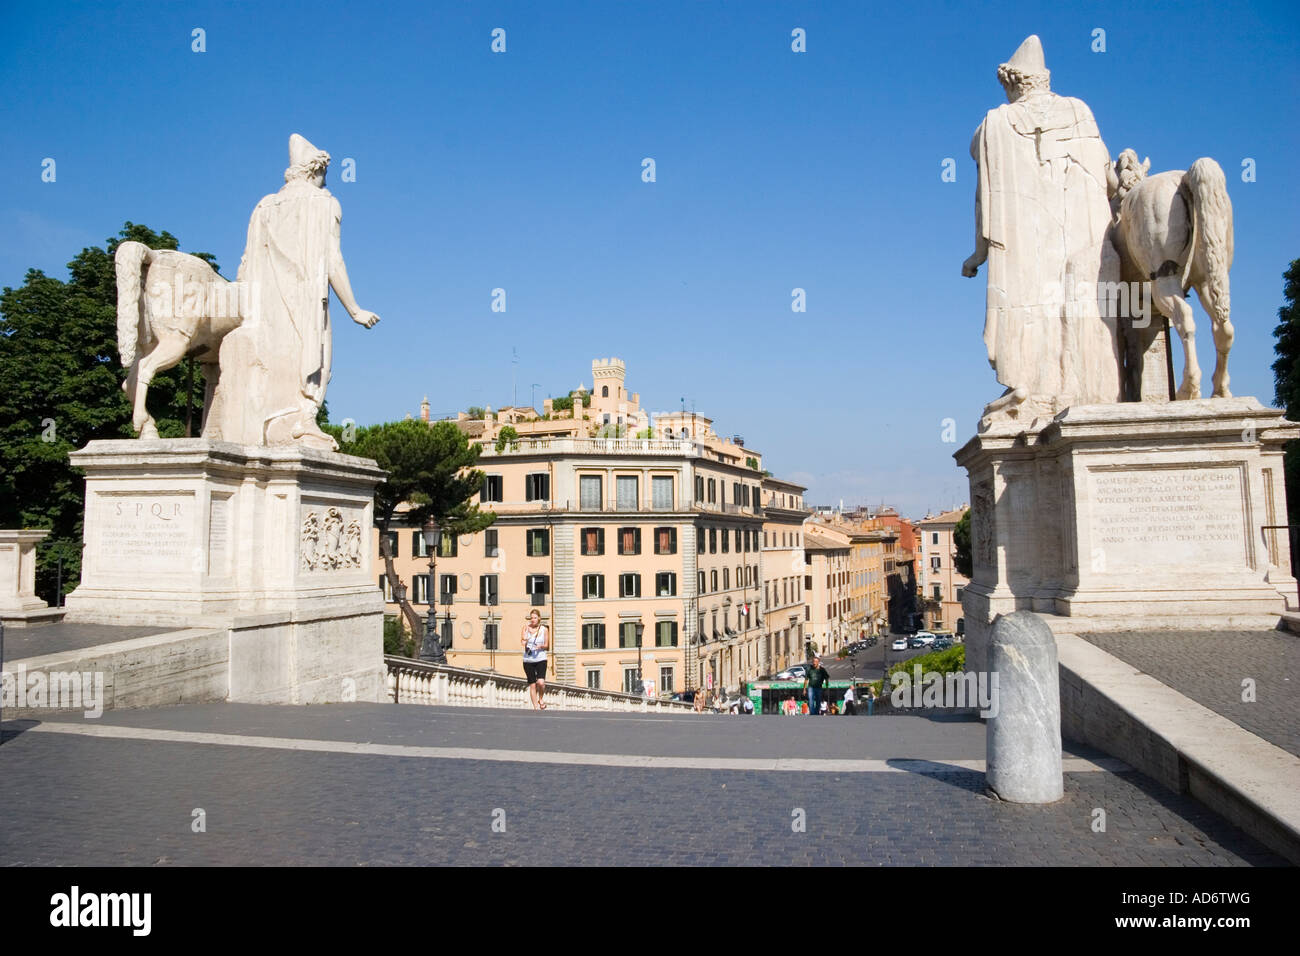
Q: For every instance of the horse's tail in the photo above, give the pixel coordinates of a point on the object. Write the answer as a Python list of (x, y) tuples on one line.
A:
[(1210, 250), (129, 263)]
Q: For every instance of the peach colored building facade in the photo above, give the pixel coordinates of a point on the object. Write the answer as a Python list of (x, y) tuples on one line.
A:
[(785, 616), (602, 534), (941, 586), (827, 587)]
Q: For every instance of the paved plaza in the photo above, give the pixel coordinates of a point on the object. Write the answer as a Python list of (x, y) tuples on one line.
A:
[(1210, 666), (375, 784)]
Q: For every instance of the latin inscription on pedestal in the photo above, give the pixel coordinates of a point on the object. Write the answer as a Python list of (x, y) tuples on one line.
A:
[(219, 536), (1146, 518), (149, 533)]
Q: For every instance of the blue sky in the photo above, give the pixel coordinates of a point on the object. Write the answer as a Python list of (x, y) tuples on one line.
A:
[(522, 171)]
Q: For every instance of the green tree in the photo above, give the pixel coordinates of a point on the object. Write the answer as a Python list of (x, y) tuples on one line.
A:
[(506, 436), (430, 469), (1286, 381), (961, 539), (476, 412), (61, 387)]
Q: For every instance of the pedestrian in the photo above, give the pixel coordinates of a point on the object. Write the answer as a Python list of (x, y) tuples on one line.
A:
[(850, 702), (813, 681), (747, 706), (699, 702), (535, 640), (871, 699)]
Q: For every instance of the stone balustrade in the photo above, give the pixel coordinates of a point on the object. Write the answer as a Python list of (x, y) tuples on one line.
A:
[(418, 682)]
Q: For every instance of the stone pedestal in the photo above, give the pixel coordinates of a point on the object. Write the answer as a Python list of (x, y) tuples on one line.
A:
[(269, 543), (19, 605), (1131, 515)]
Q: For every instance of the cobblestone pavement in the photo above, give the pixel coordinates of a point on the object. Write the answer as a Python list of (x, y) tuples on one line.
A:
[(1209, 667), (81, 800), (23, 642)]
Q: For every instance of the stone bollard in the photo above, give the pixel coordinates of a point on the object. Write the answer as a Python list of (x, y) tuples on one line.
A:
[(1024, 732)]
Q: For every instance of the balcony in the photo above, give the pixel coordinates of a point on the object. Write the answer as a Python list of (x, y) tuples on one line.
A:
[(596, 446)]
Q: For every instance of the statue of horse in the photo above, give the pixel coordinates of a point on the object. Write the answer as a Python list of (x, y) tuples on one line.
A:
[(169, 304), (1175, 230)]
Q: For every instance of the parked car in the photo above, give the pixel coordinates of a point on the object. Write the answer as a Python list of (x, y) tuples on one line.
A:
[(900, 644), (797, 672), (942, 643), (925, 637)]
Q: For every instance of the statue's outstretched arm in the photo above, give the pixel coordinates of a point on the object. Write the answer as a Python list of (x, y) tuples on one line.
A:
[(340, 284)]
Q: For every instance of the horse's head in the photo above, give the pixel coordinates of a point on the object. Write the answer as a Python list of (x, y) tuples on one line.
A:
[(1125, 173)]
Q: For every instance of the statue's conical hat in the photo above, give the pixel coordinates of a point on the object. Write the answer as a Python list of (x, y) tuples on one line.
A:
[(1028, 57), (301, 151)]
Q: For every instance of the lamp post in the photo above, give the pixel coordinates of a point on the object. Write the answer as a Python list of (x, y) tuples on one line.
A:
[(431, 648), (640, 684)]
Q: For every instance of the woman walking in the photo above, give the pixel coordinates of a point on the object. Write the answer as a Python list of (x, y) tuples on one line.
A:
[(535, 640)]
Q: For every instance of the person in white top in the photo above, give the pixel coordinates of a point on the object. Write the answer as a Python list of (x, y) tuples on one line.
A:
[(535, 639)]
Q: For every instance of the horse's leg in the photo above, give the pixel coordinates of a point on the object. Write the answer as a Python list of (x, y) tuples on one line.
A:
[(1167, 298), (169, 350), (1221, 325)]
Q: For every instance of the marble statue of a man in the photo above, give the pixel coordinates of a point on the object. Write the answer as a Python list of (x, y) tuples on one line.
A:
[(275, 367), (1042, 214)]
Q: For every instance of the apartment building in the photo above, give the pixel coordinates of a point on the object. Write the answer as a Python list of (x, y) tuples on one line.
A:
[(827, 587), (783, 568), (604, 534), (941, 586)]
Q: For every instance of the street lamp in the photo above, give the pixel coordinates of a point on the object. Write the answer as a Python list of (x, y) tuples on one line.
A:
[(431, 648), (640, 684)]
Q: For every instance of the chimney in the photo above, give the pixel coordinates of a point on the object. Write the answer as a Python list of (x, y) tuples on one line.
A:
[(424, 409)]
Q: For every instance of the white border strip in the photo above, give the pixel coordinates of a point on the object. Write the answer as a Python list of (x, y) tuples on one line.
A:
[(645, 762)]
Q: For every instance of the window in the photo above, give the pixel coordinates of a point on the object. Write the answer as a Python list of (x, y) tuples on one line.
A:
[(661, 492), (593, 586), (936, 562), (665, 634), (666, 584), (665, 540), (959, 593), (699, 487), (629, 585), (629, 681), (493, 488), (735, 492), (447, 634), (604, 391), (593, 638), (589, 492), (448, 546), (420, 589), (627, 634), (490, 547), (386, 589), (539, 542), (713, 490), (938, 592), (446, 588), (487, 590), (593, 677), (703, 583), (418, 550), (537, 487), (593, 540), (713, 577), (725, 538), (537, 586), (666, 680), (713, 541), (726, 579), (391, 537), (738, 541), (934, 537), (491, 637), (629, 540), (627, 492)]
